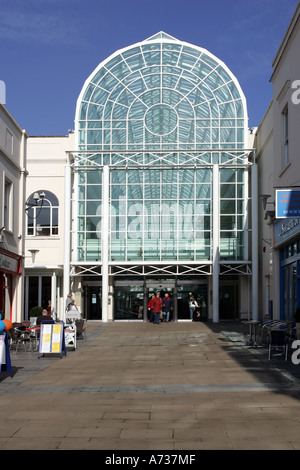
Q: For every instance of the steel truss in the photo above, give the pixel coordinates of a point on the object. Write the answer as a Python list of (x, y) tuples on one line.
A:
[(86, 159), (148, 270)]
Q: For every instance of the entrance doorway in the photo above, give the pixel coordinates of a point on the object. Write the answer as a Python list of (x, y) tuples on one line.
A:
[(290, 287), (228, 299), (93, 301), (131, 297), (197, 290), (163, 286), (128, 301)]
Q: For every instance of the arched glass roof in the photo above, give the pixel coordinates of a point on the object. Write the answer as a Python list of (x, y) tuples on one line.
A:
[(161, 94)]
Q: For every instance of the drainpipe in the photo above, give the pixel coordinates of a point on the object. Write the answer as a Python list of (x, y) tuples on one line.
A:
[(254, 239), (105, 242), (67, 232), (216, 243)]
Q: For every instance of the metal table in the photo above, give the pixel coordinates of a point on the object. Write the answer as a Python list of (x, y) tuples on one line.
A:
[(253, 328)]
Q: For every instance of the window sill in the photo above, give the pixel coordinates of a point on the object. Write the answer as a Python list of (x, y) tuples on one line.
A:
[(42, 237), (8, 231)]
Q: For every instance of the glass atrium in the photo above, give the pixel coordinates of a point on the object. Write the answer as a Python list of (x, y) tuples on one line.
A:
[(161, 165)]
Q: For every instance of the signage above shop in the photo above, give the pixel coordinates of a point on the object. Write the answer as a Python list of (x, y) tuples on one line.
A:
[(287, 203), (10, 262), (284, 230)]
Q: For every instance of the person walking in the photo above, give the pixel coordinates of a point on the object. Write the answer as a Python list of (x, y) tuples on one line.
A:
[(150, 308), (69, 301), (193, 304), (168, 305), (157, 306)]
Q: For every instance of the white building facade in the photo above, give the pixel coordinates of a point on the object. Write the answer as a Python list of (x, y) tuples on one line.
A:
[(12, 216), (45, 223), (278, 144)]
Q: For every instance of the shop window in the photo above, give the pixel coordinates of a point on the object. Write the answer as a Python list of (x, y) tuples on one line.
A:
[(8, 194), (38, 292), (42, 215)]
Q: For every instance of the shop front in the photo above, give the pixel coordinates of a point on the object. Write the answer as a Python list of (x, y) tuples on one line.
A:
[(10, 270), (287, 249)]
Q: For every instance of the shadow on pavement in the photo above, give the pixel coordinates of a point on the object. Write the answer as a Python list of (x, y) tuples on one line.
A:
[(275, 373)]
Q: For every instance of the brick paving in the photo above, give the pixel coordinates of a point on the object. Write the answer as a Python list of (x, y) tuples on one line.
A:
[(140, 386)]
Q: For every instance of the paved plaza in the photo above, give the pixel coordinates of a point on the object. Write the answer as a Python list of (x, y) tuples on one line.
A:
[(140, 386)]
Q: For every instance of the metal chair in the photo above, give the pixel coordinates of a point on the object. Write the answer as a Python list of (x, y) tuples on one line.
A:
[(19, 335), (278, 341)]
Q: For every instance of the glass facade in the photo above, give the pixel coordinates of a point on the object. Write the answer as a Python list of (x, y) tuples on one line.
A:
[(161, 114), (160, 214), (89, 215), (161, 94)]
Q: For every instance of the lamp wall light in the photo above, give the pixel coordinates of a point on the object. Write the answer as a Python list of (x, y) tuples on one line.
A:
[(37, 197), (33, 253)]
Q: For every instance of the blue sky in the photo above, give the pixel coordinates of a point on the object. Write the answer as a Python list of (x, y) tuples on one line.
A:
[(49, 47)]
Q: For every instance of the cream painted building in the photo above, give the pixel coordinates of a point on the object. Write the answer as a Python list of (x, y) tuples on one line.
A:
[(278, 156), (44, 230), (12, 215)]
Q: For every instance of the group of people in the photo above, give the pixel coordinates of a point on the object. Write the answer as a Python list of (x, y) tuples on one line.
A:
[(160, 309), (46, 317)]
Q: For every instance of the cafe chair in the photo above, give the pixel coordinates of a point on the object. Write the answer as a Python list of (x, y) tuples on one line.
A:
[(80, 329), (278, 341), (20, 336)]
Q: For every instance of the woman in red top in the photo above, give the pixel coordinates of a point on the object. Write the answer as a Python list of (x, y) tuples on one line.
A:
[(150, 308), (157, 304)]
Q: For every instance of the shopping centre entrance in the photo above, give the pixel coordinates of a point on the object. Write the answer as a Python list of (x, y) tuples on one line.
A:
[(131, 297)]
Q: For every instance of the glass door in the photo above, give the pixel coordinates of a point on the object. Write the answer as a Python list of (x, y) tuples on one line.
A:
[(128, 302), (186, 293), (93, 302), (290, 291), (228, 301), (163, 287)]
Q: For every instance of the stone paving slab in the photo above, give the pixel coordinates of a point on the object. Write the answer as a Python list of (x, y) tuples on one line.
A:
[(139, 386)]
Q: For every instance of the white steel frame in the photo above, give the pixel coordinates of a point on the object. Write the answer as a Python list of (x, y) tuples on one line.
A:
[(161, 103)]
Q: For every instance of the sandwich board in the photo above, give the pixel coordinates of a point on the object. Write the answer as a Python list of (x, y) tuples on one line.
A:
[(52, 338), (5, 363)]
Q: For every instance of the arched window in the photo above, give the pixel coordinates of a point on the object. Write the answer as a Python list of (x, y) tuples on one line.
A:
[(42, 215), (167, 112)]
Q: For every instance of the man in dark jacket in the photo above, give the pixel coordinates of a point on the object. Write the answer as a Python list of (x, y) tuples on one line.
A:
[(45, 318), (168, 305)]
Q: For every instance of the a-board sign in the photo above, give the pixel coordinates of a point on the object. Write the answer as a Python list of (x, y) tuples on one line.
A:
[(2, 350), (52, 338), (5, 363), (70, 336), (73, 314)]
